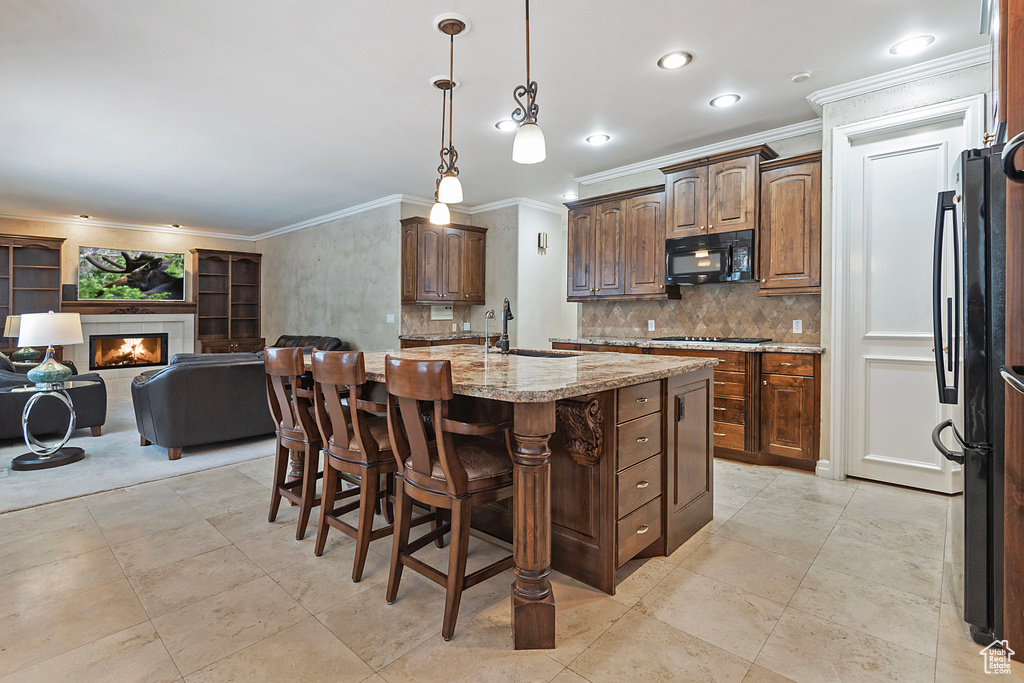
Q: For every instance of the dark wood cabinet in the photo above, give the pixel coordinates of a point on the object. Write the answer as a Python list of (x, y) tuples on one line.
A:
[(790, 406), (582, 242), (226, 287), (690, 503), (791, 226), (30, 278), (719, 193), (442, 264), (645, 244), (608, 249)]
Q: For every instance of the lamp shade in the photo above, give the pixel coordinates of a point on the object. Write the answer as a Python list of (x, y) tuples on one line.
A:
[(50, 329), (528, 147), (439, 214), (12, 326), (450, 190)]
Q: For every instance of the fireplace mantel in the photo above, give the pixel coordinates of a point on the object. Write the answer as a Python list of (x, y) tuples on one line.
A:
[(113, 307)]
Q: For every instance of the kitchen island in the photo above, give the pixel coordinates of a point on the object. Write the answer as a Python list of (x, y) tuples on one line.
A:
[(612, 458)]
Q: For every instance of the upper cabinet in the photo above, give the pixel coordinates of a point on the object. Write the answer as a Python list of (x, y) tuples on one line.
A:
[(442, 263), (715, 194), (30, 278), (617, 247), (791, 226)]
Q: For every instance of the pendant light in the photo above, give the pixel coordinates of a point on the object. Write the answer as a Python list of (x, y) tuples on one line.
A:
[(449, 188), (439, 213), (528, 147)]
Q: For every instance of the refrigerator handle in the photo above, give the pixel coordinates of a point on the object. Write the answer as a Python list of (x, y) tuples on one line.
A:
[(1009, 152), (955, 456), (1013, 377), (948, 394)]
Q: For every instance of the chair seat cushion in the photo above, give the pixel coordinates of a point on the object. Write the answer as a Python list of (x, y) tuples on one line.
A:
[(486, 461)]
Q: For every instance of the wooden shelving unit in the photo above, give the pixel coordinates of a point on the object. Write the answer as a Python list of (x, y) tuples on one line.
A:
[(227, 291), (29, 278)]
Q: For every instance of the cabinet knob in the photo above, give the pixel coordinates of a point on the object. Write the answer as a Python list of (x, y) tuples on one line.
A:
[(764, 382), (710, 227), (643, 529), (764, 280)]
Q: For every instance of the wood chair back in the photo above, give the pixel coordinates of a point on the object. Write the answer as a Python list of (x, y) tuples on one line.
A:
[(289, 403), (344, 427)]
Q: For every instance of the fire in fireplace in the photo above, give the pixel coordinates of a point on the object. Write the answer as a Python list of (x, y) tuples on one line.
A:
[(108, 351)]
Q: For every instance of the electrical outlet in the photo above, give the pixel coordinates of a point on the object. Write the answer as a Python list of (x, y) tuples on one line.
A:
[(455, 327), (798, 327), (465, 327), (390, 319), (650, 326)]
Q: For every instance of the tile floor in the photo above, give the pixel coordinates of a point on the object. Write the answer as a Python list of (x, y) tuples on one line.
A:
[(797, 579)]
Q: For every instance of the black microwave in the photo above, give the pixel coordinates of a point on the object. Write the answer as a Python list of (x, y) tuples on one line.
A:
[(721, 257)]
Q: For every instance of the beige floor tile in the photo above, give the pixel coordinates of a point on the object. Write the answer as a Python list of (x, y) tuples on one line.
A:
[(276, 548), (637, 578), (480, 651), (569, 676), (691, 544), (733, 619), (783, 506), (204, 632), (894, 568), (747, 475), (140, 510), (43, 520), (722, 514), (261, 470), (758, 571), (132, 655), (812, 487), (808, 649), (798, 540), (319, 583), (53, 628), (164, 547), (252, 520), (759, 674), (948, 583), (216, 492), (947, 673), (44, 583), (734, 495), (127, 527), (904, 536), (305, 652), (641, 648), (956, 646), (582, 614), (181, 583), (31, 550), (900, 504), (899, 617)]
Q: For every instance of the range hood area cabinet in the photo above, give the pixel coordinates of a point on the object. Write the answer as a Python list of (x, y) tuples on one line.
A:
[(791, 226), (715, 194), (442, 264), (617, 247)]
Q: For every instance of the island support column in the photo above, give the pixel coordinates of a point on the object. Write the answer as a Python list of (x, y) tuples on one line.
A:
[(533, 603)]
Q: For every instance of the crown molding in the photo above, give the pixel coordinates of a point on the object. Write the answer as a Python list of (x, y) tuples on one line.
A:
[(164, 230), (389, 200), (515, 201), (908, 74), (791, 131)]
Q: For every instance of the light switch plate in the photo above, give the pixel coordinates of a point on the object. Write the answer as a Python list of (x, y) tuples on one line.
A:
[(390, 319), (650, 326), (465, 327), (798, 327), (455, 327)]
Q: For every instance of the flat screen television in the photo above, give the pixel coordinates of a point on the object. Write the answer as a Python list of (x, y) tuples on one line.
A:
[(130, 275)]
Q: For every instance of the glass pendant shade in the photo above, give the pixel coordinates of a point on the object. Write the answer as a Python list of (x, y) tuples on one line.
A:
[(450, 190), (439, 214), (528, 147)]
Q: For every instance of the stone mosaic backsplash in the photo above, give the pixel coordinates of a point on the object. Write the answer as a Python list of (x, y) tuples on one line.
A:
[(722, 310), (416, 320)]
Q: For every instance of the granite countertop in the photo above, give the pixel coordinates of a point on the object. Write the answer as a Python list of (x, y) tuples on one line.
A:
[(775, 347), (521, 379), (446, 337)]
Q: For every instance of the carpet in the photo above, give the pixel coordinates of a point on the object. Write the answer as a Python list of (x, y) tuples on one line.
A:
[(112, 461)]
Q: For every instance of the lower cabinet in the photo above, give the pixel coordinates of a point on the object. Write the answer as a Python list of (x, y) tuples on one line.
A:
[(417, 343), (790, 406), (252, 345)]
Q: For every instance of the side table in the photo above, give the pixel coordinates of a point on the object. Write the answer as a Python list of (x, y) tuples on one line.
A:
[(43, 456)]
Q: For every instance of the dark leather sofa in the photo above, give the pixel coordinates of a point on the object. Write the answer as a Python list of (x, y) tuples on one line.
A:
[(192, 402), (49, 416), (308, 341)]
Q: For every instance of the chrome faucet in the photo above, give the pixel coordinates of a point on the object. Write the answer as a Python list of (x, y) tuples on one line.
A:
[(506, 315), (489, 315)]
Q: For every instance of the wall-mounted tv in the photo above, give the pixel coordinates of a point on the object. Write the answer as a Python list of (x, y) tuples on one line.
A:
[(130, 275)]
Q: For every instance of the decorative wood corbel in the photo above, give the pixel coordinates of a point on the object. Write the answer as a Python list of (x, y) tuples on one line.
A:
[(584, 426)]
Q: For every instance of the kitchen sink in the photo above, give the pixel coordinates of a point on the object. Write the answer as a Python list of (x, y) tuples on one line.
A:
[(529, 353)]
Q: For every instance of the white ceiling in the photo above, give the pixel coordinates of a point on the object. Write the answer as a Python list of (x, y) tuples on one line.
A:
[(244, 116)]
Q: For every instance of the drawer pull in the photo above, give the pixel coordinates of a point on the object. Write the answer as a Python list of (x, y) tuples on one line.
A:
[(717, 434), (722, 383), (643, 484), (642, 399), (642, 439), (717, 408), (785, 364), (643, 529)]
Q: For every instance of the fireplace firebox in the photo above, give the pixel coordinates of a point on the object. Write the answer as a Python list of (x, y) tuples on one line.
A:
[(116, 351)]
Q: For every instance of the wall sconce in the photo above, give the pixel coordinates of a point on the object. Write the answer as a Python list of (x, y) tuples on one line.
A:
[(542, 240)]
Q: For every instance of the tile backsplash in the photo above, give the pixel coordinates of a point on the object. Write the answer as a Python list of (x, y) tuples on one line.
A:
[(723, 310), (416, 320)]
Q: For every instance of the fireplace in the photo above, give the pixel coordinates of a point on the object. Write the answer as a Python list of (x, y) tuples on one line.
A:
[(114, 351)]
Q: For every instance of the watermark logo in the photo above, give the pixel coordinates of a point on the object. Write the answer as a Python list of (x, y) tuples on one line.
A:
[(997, 657)]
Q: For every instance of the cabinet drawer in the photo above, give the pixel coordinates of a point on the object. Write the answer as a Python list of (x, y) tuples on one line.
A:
[(639, 440), (729, 436), (732, 361), (609, 348), (731, 410), (640, 399), (801, 364), (560, 346), (733, 384), (639, 484), (638, 530)]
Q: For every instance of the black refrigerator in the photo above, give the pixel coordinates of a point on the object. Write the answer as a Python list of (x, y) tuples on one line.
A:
[(969, 330)]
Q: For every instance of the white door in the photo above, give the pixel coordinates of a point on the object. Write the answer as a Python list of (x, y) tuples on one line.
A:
[(891, 392)]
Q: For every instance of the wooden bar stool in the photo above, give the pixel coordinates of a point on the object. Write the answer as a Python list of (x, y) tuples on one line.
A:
[(356, 443), (291, 405), (446, 464)]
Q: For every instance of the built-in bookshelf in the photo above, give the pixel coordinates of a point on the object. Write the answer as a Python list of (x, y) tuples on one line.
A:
[(226, 286), (29, 278)]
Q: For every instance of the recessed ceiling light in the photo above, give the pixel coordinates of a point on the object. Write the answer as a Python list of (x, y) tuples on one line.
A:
[(725, 100), (570, 196), (84, 217), (506, 125), (674, 60), (800, 76), (911, 46), (598, 139)]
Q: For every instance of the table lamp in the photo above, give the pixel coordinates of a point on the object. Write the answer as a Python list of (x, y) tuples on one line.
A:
[(47, 329), (26, 354)]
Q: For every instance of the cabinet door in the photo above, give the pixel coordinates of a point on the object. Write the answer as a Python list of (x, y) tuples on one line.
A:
[(473, 262), (582, 240), (787, 416), (732, 195), (451, 290), (645, 244), (687, 202), (791, 227), (609, 251), (409, 263), (429, 262), (690, 482)]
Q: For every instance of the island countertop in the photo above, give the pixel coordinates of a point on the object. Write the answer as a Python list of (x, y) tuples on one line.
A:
[(526, 379), (446, 336)]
